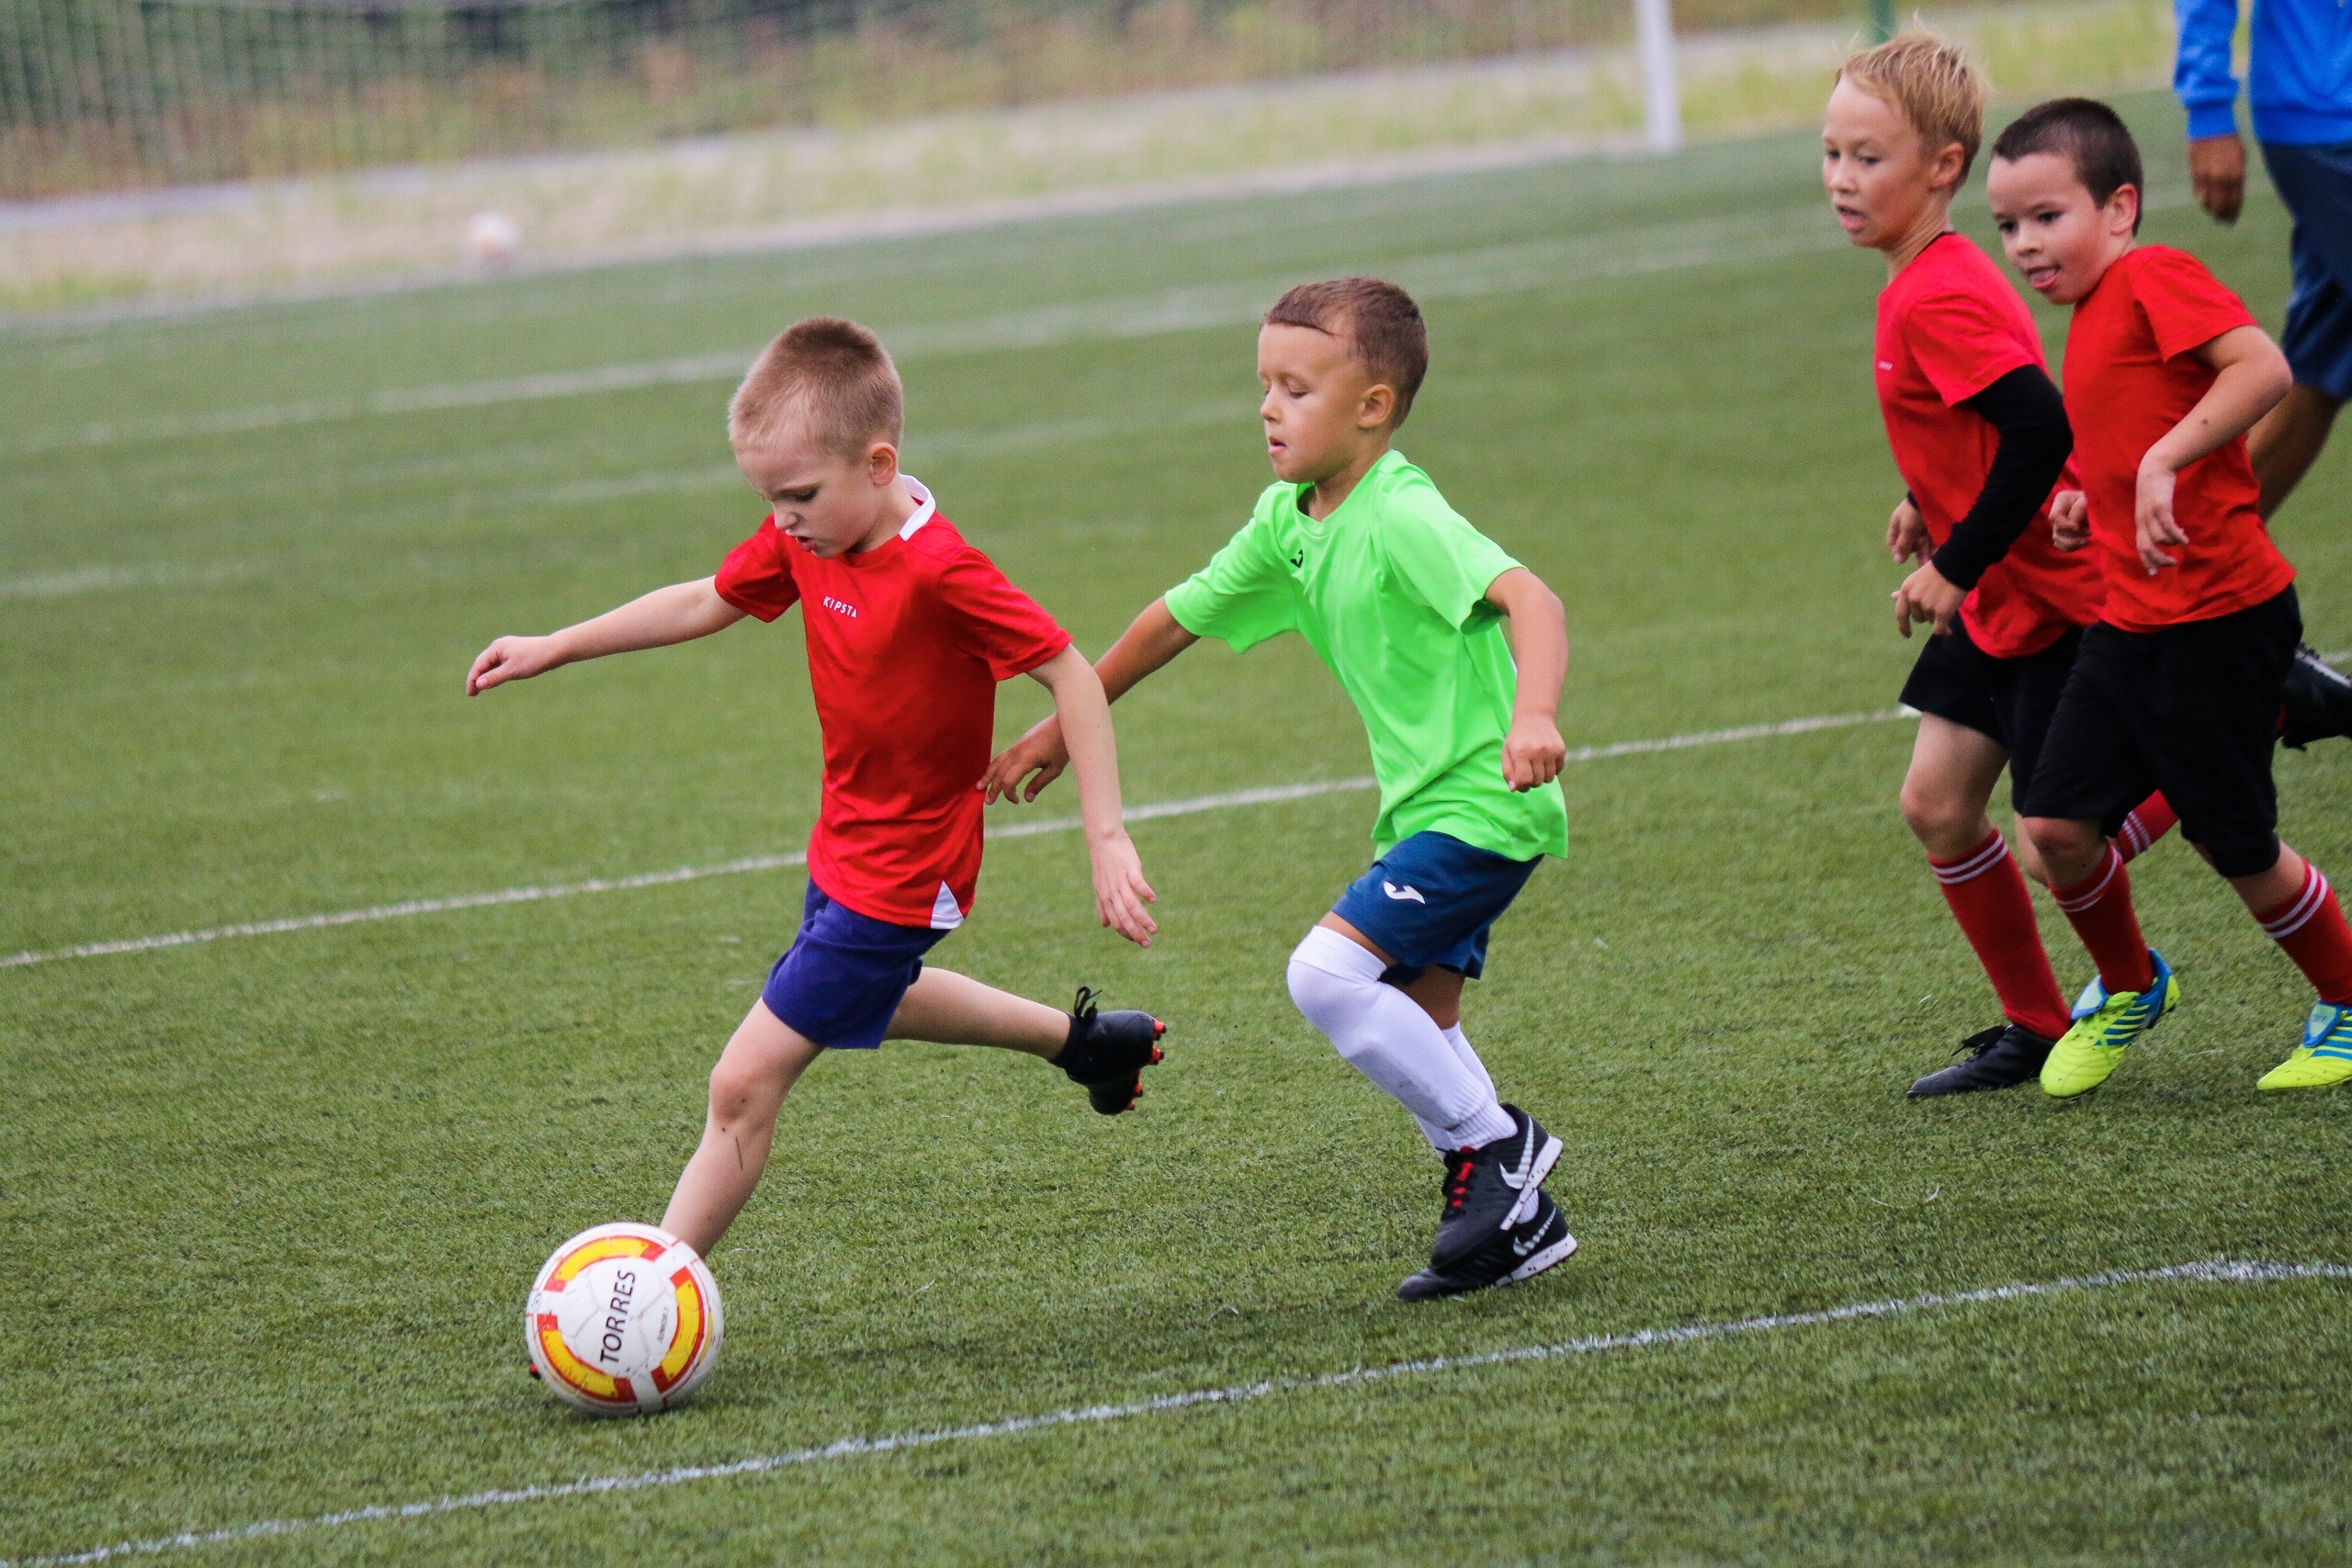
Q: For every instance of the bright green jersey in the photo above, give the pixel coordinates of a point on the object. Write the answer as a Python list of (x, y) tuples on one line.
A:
[(1388, 590)]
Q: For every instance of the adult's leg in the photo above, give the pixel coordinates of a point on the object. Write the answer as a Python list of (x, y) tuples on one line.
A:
[(2316, 184), (2285, 443), (763, 1060)]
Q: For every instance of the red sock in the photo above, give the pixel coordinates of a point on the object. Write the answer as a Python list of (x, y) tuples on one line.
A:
[(2099, 907), (1987, 895), (2150, 820), (2310, 927)]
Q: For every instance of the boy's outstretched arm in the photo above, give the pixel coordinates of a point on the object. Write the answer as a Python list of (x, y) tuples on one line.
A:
[(1533, 752), (2250, 378), (1120, 891), (680, 612), (1145, 646)]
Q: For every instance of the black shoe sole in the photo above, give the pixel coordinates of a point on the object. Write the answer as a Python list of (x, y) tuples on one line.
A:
[(1120, 1094), (1430, 1285), (1937, 1086)]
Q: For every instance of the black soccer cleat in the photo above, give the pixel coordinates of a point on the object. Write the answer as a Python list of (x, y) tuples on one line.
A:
[(2318, 703), (1107, 1052), (1491, 1188), (2000, 1057), (1503, 1259)]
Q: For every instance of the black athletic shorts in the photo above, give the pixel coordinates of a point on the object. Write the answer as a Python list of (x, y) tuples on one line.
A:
[(2009, 699), (2191, 710)]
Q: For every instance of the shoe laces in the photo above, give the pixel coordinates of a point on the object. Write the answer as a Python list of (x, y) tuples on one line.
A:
[(1458, 1169), (1086, 1005), (1983, 1040)]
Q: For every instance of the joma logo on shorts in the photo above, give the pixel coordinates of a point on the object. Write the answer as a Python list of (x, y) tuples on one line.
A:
[(833, 603)]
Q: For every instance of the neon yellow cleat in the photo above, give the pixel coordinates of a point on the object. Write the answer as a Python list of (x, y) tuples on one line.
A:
[(2326, 1055), (2104, 1025)]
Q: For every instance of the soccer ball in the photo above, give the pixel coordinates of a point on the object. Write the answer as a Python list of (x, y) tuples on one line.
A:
[(491, 241), (623, 1320)]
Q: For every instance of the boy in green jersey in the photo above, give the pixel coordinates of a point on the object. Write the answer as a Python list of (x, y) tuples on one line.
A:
[(1354, 549)]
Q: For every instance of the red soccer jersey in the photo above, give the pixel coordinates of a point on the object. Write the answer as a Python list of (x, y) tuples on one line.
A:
[(1950, 326), (2130, 377), (907, 642)]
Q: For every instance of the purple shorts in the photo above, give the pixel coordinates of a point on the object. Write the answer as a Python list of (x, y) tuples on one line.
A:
[(844, 975)]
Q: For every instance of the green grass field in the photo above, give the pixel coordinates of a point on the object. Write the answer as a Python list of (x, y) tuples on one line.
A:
[(275, 1199)]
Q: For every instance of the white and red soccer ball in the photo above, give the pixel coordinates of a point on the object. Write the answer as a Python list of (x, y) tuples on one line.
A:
[(623, 1320)]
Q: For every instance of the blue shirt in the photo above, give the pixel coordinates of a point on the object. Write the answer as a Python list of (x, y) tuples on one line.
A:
[(2301, 80)]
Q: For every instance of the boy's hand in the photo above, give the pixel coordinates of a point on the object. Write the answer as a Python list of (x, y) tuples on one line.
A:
[(1928, 596), (511, 659), (1532, 752), (1906, 534), (1120, 891), (2151, 512), (2070, 519), (1040, 751)]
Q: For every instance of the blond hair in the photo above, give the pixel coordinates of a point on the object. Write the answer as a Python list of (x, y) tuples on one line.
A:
[(831, 373), (1931, 84)]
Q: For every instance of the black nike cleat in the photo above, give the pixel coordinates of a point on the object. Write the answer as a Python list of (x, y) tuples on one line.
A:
[(1503, 1259), (1107, 1052), (2000, 1057), (2318, 703), (1491, 1188)]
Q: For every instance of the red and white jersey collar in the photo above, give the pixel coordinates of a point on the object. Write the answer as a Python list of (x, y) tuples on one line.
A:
[(925, 507)]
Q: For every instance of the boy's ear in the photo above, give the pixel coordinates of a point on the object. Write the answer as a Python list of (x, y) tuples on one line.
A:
[(882, 463), (1949, 168), (2123, 210), (1379, 406)]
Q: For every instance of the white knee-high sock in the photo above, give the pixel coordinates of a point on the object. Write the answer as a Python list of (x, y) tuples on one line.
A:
[(1386, 1036), (1440, 1139)]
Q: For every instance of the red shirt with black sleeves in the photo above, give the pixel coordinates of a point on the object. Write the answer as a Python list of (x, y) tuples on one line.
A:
[(907, 642), (1950, 326), (2132, 375)]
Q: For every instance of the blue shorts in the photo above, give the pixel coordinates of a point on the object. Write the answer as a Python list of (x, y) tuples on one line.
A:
[(1431, 901), (2316, 184), (844, 974)]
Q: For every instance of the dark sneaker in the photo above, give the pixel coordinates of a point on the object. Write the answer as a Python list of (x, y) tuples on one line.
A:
[(1107, 1052), (1504, 1258), (1491, 1188), (2000, 1057), (2318, 701)]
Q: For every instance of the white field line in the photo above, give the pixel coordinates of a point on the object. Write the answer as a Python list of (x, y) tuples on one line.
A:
[(1585, 259), (2218, 1271), (1264, 795)]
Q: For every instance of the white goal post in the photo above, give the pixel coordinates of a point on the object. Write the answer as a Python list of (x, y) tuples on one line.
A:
[(1661, 94)]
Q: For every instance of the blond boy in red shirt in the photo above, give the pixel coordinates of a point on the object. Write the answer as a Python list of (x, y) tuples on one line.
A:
[(909, 630), (1980, 436)]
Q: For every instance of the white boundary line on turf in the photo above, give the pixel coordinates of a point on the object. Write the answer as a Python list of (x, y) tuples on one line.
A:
[(1262, 796), (2217, 1271)]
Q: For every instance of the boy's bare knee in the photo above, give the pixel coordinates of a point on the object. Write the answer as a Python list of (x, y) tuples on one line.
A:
[(1946, 826), (739, 1090), (2068, 848)]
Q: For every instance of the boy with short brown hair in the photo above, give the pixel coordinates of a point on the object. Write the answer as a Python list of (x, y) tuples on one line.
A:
[(2180, 685), (1354, 549), (908, 630)]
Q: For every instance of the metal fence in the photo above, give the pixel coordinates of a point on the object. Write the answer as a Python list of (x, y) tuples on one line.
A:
[(110, 94)]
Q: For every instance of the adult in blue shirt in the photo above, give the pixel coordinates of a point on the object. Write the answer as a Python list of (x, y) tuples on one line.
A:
[(2300, 82)]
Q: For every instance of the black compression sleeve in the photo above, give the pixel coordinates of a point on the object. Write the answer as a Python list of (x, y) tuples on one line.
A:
[(2026, 412)]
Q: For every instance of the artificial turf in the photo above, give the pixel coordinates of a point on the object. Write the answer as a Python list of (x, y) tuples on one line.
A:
[(275, 1199)]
